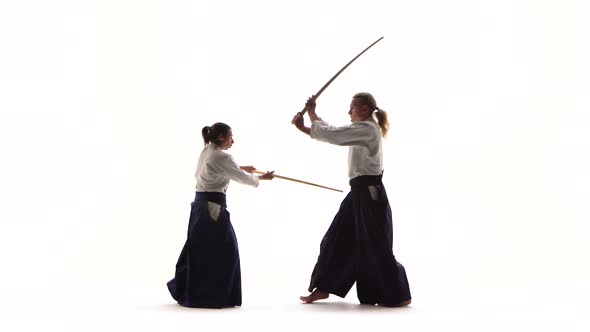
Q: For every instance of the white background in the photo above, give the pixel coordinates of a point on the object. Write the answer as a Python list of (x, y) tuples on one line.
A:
[(486, 164)]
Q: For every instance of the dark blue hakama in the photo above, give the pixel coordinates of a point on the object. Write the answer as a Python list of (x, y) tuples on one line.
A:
[(208, 269), (358, 248)]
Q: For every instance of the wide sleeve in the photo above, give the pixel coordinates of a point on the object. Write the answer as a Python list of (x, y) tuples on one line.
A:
[(231, 170), (356, 133)]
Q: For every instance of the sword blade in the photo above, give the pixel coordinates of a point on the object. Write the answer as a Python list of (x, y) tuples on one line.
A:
[(339, 72)]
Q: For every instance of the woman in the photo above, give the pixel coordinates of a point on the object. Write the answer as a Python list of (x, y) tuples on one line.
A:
[(358, 244), (208, 269)]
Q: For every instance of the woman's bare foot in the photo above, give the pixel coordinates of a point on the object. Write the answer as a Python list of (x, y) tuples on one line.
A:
[(401, 304), (405, 303), (314, 296)]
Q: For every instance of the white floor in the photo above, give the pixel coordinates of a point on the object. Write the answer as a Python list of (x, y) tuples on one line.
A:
[(110, 307)]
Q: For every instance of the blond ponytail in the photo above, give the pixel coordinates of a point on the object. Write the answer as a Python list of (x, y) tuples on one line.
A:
[(381, 116), (368, 99)]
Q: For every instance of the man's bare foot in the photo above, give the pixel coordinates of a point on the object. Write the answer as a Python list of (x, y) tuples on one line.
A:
[(314, 296)]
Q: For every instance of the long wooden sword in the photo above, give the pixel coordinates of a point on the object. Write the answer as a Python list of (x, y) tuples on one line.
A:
[(339, 72), (295, 180)]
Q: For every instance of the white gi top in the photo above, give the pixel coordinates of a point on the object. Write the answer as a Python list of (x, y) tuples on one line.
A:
[(365, 153), (216, 168)]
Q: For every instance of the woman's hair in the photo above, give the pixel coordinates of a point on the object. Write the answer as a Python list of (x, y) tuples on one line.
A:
[(367, 99), (211, 134)]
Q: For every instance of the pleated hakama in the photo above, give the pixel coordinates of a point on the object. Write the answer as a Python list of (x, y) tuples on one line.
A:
[(358, 248), (208, 270)]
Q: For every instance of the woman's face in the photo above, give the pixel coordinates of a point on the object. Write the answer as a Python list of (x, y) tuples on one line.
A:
[(358, 112), (225, 142)]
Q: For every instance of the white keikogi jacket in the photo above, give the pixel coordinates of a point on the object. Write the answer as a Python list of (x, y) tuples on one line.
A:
[(216, 168), (365, 152)]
